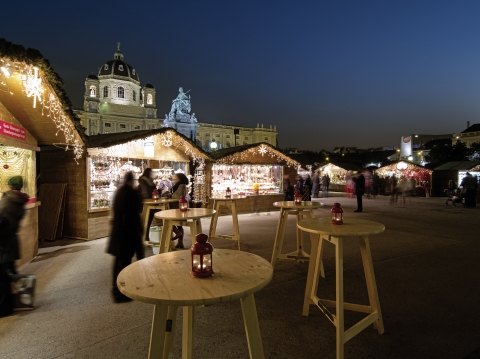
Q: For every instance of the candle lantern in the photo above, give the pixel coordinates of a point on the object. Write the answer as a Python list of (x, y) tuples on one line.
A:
[(183, 204), (154, 194), (201, 257), (228, 193), (297, 197), (337, 214)]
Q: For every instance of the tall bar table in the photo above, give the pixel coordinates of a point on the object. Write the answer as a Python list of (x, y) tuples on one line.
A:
[(162, 204), (322, 230), (231, 203)]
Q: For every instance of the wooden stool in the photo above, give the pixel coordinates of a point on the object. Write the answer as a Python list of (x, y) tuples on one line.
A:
[(228, 202), (165, 281), (175, 217), (299, 211), (321, 230)]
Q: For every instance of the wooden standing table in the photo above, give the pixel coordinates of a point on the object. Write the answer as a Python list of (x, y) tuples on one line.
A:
[(228, 202), (299, 211), (165, 281), (162, 204), (175, 217), (322, 229)]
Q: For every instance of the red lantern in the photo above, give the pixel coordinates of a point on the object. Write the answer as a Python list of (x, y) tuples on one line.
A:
[(228, 193), (183, 204), (297, 197), (337, 214), (154, 194), (201, 257)]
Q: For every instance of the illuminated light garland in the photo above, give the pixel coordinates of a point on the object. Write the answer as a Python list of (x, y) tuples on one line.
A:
[(258, 150), (34, 85)]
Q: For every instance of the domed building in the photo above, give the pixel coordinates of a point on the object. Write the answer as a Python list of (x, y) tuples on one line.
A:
[(115, 101)]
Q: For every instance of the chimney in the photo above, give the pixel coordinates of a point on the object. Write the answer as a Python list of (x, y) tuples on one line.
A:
[(468, 124)]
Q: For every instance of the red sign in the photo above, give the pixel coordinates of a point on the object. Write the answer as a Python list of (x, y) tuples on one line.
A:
[(7, 129), (407, 139)]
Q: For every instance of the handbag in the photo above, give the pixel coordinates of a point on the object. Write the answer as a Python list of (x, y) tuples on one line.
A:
[(23, 290)]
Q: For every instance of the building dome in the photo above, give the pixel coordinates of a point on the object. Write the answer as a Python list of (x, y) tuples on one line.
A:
[(92, 77), (118, 68), (150, 86)]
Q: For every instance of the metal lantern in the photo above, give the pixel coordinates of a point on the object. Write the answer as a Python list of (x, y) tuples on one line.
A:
[(154, 194), (183, 204), (201, 257), (297, 197), (228, 193), (337, 214)]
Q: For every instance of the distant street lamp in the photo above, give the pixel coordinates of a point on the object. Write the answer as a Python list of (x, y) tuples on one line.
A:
[(213, 145)]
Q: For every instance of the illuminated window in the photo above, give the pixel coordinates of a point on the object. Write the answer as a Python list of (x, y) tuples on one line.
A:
[(149, 99), (93, 91), (134, 96), (105, 91), (120, 92), (120, 67)]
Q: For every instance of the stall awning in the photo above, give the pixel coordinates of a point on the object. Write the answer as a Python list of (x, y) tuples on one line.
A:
[(255, 153), (340, 166), (458, 166)]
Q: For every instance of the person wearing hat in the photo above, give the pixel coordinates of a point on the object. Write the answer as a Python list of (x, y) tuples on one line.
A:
[(12, 210), (126, 236)]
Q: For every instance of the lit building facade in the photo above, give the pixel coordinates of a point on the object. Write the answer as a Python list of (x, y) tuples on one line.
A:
[(468, 136)]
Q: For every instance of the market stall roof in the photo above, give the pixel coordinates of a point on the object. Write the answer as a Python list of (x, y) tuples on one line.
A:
[(166, 137), (458, 165), (33, 93), (402, 166), (342, 165), (255, 153)]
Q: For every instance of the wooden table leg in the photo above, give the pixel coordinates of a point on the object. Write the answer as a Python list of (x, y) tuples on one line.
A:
[(371, 282), (170, 332), (315, 239), (157, 335), (198, 227), (145, 215), (166, 236), (236, 229), (187, 337), (277, 247), (213, 222), (339, 314), (252, 328)]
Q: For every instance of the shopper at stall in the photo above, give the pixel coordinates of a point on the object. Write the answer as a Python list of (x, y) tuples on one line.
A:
[(180, 182), (309, 184), (287, 188), (325, 185), (146, 186), (359, 189), (315, 185), (469, 184), (298, 183), (126, 236)]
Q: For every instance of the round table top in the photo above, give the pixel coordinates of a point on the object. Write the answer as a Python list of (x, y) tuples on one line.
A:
[(166, 279), (234, 197), (350, 227), (192, 213), (292, 205), (160, 200)]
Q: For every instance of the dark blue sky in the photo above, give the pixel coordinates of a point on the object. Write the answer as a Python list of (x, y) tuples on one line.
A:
[(331, 73)]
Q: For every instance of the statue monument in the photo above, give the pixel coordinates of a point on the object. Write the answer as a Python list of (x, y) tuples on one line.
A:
[(181, 117)]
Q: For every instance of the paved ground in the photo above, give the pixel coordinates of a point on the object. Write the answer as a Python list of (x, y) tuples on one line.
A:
[(426, 265)]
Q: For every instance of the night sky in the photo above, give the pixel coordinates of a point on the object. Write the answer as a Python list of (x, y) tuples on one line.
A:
[(331, 73)]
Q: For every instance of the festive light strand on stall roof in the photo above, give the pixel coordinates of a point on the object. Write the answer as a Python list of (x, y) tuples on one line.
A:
[(258, 150), (34, 85)]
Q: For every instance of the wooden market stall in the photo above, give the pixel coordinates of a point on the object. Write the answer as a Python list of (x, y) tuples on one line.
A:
[(34, 112), (451, 174), (255, 171), (340, 175), (409, 170), (102, 167)]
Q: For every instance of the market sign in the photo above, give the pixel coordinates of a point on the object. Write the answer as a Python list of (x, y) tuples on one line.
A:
[(149, 148), (7, 129), (406, 146)]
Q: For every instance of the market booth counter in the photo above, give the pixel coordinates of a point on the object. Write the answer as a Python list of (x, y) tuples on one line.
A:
[(408, 170), (340, 175), (254, 171), (102, 168), (34, 112)]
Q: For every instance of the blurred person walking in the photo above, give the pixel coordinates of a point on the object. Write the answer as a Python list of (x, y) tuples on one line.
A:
[(287, 188), (325, 185), (315, 185), (469, 184), (307, 189), (126, 236), (146, 186), (359, 181), (179, 189)]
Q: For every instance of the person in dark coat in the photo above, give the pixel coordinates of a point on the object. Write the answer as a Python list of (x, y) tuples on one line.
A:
[(469, 184), (359, 181), (12, 210), (287, 188), (146, 186), (179, 189), (325, 184), (126, 237), (315, 185)]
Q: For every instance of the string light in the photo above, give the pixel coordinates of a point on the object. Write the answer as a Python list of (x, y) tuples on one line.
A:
[(258, 150), (32, 85)]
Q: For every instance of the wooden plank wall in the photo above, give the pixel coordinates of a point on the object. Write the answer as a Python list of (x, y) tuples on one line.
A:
[(59, 166)]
